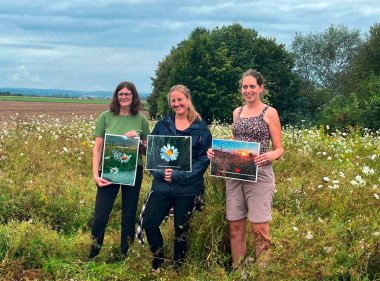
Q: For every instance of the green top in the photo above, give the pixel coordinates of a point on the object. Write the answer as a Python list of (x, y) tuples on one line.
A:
[(120, 124)]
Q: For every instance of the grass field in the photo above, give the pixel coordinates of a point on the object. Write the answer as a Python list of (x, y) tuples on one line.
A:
[(325, 223)]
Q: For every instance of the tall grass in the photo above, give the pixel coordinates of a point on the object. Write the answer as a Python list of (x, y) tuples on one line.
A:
[(325, 214)]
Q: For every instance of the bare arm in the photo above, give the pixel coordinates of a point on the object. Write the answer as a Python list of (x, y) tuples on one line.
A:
[(96, 158), (272, 119)]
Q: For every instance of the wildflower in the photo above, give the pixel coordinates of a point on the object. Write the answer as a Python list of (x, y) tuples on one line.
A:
[(327, 249), (295, 228), (309, 236), (39, 137), (65, 149), (320, 220), (376, 195), (320, 186), (326, 179), (377, 233), (169, 153), (367, 170), (329, 158), (341, 174)]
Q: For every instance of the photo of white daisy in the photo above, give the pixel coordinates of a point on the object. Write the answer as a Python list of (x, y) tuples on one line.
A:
[(169, 153)]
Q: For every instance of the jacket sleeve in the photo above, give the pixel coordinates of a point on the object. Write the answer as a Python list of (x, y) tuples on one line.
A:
[(199, 166)]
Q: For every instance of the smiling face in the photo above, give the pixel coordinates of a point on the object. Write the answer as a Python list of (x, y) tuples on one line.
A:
[(250, 89), (125, 97), (179, 102)]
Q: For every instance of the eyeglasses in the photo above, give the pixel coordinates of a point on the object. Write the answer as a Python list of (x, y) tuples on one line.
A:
[(245, 87), (125, 94)]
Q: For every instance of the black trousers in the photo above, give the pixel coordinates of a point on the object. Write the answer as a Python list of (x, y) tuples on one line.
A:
[(105, 198), (157, 208)]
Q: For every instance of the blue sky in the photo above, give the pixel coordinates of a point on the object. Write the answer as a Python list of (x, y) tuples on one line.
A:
[(93, 45)]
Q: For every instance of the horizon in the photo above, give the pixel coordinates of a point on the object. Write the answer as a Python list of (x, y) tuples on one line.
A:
[(90, 46)]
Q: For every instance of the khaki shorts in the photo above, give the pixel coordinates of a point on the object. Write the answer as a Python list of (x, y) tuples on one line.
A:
[(252, 198)]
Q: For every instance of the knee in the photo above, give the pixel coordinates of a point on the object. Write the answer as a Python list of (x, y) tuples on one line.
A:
[(236, 231)]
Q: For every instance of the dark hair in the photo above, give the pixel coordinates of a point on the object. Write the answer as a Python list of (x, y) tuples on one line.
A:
[(136, 102), (255, 74)]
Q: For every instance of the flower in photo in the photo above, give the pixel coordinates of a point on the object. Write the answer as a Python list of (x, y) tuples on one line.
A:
[(237, 170), (125, 158), (116, 155), (114, 170), (169, 153)]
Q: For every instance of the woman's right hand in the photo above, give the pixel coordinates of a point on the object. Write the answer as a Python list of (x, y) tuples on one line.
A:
[(210, 153), (101, 182)]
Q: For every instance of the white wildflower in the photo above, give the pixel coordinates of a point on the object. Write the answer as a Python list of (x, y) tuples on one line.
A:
[(326, 179), (327, 249), (65, 149), (376, 195), (309, 236), (367, 170), (295, 228)]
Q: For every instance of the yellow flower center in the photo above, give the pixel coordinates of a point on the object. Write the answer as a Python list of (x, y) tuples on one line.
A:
[(169, 152), (124, 157)]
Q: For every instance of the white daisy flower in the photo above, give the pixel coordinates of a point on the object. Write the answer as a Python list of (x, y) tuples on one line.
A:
[(169, 153)]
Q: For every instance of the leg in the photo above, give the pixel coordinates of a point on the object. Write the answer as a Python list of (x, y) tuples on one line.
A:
[(237, 240), (157, 208), (261, 237), (105, 198), (130, 198), (183, 206)]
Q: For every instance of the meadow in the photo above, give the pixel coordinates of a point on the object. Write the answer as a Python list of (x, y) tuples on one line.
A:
[(325, 225), (53, 99)]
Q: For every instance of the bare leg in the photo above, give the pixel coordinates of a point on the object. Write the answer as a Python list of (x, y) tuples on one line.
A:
[(262, 241), (237, 240)]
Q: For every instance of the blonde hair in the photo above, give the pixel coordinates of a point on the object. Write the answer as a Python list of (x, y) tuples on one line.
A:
[(192, 114)]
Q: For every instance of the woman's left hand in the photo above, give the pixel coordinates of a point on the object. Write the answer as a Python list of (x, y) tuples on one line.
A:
[(131, 134), (168, 175), (265, 158)]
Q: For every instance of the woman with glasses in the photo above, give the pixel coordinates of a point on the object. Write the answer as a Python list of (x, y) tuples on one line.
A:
[(253, 122), (123, 118)]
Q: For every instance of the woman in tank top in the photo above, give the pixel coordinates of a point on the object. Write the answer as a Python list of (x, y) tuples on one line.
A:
[(254, 122)]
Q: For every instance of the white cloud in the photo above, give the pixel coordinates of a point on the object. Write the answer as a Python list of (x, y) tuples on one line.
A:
[(23, 75)]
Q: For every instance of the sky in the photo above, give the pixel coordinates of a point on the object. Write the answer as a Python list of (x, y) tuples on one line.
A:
[(92, 45)]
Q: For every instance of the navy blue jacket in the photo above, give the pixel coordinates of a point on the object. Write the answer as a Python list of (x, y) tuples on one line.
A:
[(184, 183)]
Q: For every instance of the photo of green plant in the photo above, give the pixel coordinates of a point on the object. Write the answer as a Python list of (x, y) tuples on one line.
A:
[(234, 159), (119, 160), (168, 152)]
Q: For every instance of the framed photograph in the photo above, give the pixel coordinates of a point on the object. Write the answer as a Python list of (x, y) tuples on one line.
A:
[(119, 161), (168, 152), (234, 159)]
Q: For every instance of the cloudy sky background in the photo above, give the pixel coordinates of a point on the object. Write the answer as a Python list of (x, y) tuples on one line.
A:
[(94, 44)]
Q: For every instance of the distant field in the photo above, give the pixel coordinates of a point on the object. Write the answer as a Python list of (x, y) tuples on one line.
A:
[(52, 99)]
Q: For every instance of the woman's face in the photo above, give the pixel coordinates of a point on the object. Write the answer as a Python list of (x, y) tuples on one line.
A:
[(125, 97), (250, 89), (179, 102)]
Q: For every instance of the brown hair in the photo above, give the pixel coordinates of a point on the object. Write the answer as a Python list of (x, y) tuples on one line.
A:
[(136, 102), (192, 114), (255, 74)]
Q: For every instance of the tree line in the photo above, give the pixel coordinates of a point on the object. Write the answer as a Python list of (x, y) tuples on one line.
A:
[(331, 77)]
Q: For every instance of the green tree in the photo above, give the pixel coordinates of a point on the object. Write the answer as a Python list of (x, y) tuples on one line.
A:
[(210, 63), (367, 61), (324, 60)]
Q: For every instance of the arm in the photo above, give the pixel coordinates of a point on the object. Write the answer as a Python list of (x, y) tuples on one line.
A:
[(198, 167), (273, 121), (96, 158)]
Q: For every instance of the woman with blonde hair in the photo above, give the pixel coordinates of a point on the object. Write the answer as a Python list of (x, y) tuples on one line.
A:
[(172, 188)]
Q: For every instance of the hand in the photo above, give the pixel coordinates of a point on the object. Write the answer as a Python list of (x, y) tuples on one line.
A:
[(264, 159), (101, 182), (168, 175), (131, 134), (210, 153)]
